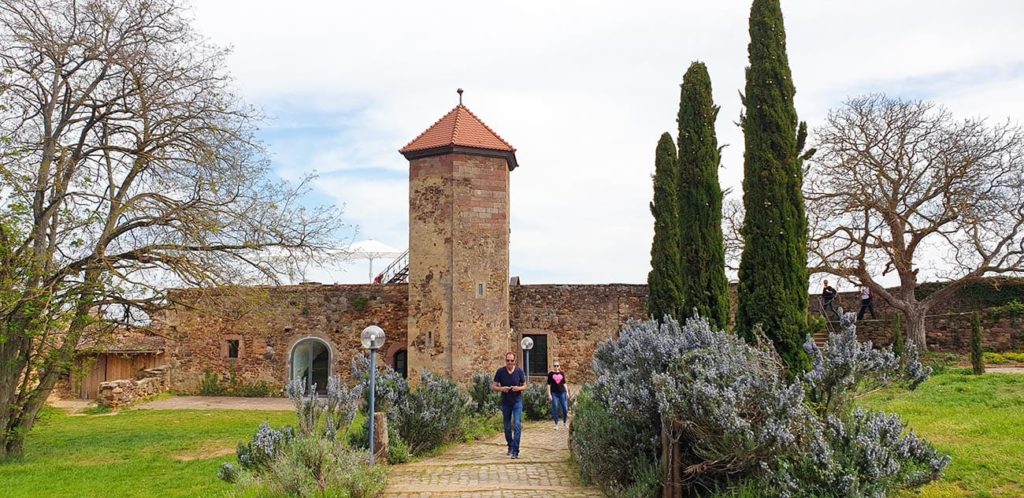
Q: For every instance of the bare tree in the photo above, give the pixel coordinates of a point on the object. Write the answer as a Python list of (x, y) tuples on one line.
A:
[(127, 165), (897, 186)]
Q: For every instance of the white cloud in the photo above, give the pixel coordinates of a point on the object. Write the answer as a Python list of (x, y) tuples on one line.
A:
[(582, 89)]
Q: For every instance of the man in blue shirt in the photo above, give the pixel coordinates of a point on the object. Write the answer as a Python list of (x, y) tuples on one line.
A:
[(510, 381)]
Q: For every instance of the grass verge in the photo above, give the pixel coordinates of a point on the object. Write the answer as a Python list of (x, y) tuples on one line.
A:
[(978, 420), (132, 453)]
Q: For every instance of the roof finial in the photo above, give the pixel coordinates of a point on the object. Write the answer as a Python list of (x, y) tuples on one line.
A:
[(460, 95)]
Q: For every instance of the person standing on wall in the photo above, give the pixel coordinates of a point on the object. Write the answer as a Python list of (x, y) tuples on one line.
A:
[(865, 303), (558, 395), (510, 381), (828, 295)]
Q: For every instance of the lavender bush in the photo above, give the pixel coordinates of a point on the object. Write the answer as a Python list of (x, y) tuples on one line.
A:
[(484, 401), (803, 437), (740, 419), (328, 415), (616, 429), (309, 461), (535, 402), (430, 414), (390, 388)]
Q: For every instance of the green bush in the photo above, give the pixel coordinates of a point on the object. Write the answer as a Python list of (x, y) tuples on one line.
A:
[(214, 385), (358, 437), (815, 323), (430, 415), (1002, 358), (308, 461), (484, 400), (603, 446), (535, 402), (211, 385), (313, 466)]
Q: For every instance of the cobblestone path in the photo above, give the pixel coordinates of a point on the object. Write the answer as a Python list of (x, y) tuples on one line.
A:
[(481, 469)]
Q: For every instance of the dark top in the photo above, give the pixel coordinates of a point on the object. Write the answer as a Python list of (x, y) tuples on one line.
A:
[(516, 378), (828, 293), (557, 382)]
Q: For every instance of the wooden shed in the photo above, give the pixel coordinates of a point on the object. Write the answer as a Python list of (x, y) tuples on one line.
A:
[(119, 355)]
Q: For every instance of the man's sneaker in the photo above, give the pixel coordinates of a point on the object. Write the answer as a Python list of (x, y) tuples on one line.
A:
[(509, 452), (515, 456), (556, 427)]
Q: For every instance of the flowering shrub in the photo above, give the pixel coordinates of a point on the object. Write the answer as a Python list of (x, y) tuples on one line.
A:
[(738, 417), (430, 414), (390, 388), (315, 466), (484, 400), (535, 402), (617, 430), (847, 367), (328, 415), (310, 461), (817, 442)]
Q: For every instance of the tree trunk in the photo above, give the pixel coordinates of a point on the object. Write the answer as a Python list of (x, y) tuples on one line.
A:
[(914, 320)]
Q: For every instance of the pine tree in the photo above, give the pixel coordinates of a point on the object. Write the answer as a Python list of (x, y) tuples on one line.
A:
[(702, 247), (773, 274), (663, 283)]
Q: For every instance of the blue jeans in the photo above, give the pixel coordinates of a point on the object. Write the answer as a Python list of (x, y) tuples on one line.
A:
[(560, 399), (512, 417)]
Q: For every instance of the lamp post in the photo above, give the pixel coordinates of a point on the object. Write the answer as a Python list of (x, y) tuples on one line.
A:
[(372, 339), (527, 345)]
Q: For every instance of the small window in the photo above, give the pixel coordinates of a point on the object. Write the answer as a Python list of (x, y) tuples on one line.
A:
[(233, 348), (538, 363), (480, 289)]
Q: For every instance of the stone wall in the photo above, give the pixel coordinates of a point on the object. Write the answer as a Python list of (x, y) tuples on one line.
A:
[(981, 295), (952, 332), (268, 322), (576, 319), (120, 393)]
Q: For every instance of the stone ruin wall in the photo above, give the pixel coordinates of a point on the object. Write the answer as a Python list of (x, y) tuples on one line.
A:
[(268, 322), (951, 332), (576, 318)]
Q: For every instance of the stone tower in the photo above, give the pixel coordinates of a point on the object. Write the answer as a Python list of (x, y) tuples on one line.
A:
[(458, 247)]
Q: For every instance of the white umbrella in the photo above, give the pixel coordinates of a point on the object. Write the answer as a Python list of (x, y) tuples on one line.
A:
[(370, 250)]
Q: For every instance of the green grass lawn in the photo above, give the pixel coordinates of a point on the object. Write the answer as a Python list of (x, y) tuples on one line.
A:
[(979, 421), (132, 453)]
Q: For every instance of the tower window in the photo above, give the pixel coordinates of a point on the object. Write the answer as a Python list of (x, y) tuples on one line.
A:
[(233, 348)]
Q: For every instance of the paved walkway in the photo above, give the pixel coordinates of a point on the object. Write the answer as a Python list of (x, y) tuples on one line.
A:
[(217, 403), (481, 469)]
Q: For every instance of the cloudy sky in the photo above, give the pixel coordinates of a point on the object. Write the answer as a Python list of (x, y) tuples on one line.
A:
[(582, 89)]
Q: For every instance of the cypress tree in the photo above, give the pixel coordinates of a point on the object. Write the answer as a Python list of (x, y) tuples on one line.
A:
[(702, 248), (773, 274), (977, 357), (663, 283)]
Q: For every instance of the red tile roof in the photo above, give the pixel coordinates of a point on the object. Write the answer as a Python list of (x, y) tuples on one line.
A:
[(460, 127)]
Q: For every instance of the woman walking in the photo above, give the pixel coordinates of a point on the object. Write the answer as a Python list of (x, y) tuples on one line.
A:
[(557, 394)]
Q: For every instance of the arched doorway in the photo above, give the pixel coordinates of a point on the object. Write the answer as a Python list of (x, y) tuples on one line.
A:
[(311, 363), (400, 363)]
